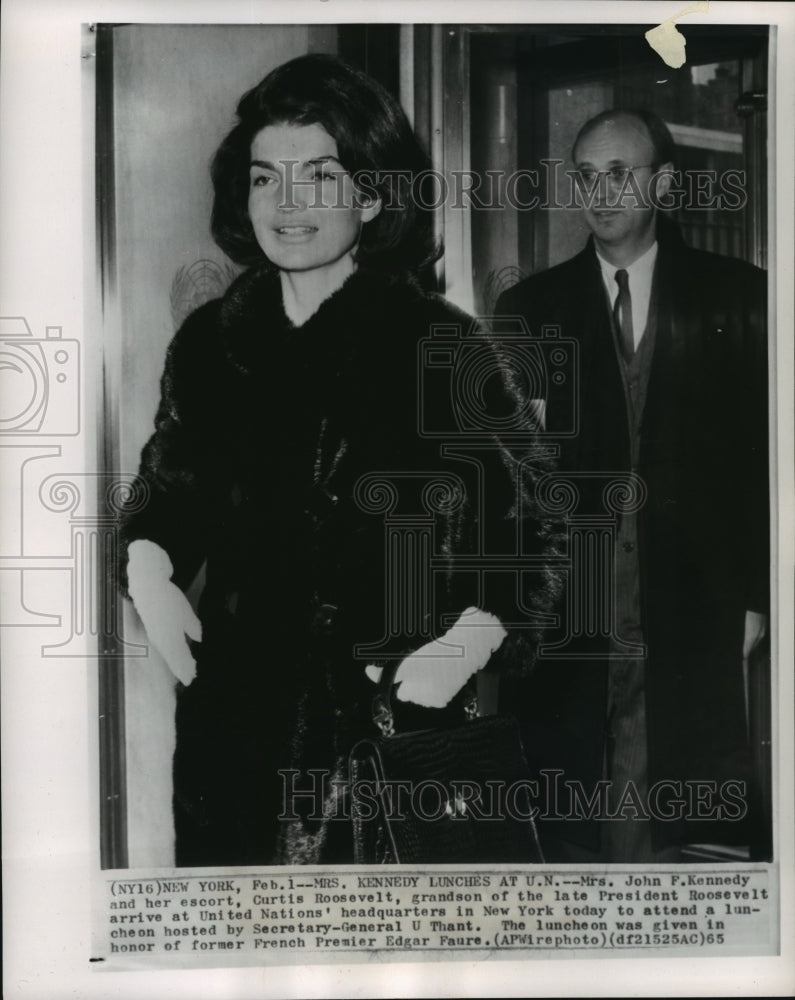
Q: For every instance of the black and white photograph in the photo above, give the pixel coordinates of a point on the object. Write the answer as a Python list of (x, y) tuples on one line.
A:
[(613, 486), (401, 496)]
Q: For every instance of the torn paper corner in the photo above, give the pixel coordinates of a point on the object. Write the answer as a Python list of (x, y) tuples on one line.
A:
[(666, 39)]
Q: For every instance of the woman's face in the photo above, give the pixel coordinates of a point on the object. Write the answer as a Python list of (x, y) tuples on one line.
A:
[(302, 202)]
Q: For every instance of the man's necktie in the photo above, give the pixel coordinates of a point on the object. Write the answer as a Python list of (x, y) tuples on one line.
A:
[(622, 314)]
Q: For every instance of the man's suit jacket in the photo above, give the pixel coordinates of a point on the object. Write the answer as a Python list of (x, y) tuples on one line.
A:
[(703, 531)]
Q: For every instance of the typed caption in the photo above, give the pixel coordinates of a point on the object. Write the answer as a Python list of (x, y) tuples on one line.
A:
[(176, 918)]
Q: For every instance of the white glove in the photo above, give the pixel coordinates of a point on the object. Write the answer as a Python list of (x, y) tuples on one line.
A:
[(164, 610), (437, 671)]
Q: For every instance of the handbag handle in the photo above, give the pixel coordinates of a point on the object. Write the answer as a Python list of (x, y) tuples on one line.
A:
[(383, 715)]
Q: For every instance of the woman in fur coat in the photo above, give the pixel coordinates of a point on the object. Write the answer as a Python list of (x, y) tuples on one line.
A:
[(295, 426)]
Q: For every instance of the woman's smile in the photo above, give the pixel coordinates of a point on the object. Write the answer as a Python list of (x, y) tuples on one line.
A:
[(294, 230)]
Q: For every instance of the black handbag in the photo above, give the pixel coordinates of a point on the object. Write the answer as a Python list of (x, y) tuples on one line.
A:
[(458, 795)]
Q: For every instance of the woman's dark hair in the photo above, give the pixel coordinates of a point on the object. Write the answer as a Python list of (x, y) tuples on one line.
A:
[(372, 135)]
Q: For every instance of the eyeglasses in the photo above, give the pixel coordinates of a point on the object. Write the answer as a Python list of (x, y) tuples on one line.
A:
[(617, 175)]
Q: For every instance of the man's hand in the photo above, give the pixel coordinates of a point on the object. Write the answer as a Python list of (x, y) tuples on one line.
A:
[(164, 610), (755, 631), (437, 671)]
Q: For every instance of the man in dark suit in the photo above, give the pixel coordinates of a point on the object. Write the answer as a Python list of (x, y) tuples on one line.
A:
[(671, 397)]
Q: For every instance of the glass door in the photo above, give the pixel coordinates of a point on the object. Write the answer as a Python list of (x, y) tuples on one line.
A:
[(530, 88)]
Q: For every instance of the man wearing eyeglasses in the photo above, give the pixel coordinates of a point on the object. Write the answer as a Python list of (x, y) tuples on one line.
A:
[(671, 401)]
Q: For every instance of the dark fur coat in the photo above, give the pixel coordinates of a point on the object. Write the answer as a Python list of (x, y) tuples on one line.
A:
[(263, 435)]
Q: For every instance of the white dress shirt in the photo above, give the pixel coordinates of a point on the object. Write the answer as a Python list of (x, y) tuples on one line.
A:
[(640, 275)]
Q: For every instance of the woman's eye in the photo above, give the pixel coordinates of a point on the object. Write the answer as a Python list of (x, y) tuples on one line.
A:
[(261, 180)]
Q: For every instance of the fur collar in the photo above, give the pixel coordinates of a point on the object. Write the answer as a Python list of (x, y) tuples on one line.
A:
[(256, 331)]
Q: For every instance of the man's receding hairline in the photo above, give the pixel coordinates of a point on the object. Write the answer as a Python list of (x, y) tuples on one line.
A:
[(592, 124)]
